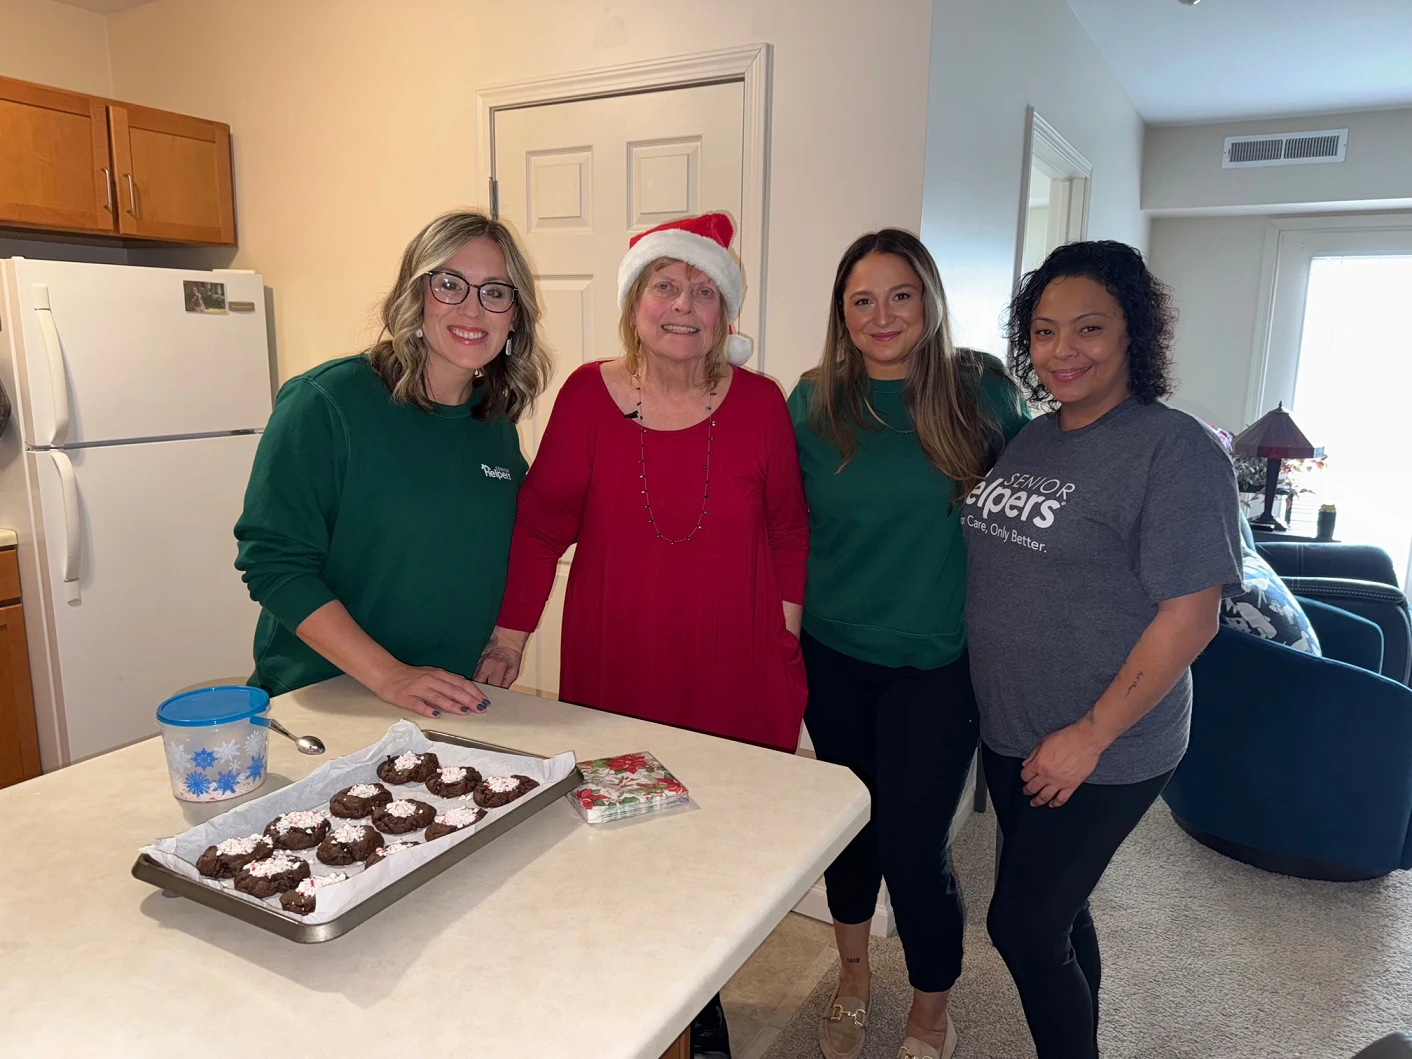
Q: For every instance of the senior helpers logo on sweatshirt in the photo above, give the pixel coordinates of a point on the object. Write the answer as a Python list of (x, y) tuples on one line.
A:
[(1031, 499)]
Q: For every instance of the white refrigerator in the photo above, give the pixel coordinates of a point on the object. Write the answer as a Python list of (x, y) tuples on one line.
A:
[(138, 397)]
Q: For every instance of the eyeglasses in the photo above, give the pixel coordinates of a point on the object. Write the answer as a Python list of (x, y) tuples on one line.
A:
[(452, 289)]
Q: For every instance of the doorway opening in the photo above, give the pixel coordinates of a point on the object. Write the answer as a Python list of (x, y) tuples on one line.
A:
[(1053, 195)]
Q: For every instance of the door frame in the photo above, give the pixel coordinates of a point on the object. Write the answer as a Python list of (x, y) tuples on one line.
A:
[(1049, 150), (751, 65)]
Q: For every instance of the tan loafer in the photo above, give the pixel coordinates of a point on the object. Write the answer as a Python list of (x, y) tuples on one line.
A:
[(915, 1049), (843, 1027)]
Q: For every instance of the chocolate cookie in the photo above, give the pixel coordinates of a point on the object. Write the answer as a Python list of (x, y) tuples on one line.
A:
[(383, 852), (357, 801), (271, 876), (302, 829), (224, 859), (348, 843), (495, 791), (402, 816), (301, 900), (453, 781), (453, 820), (408, 768)]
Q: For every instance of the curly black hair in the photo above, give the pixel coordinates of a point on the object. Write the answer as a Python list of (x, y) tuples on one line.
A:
[(1145, 300)]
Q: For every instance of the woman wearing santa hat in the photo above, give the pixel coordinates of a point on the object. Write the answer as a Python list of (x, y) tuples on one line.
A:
[(674, 470)]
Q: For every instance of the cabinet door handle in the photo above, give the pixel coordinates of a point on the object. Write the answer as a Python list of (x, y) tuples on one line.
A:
[(131, 195), (108, 188)]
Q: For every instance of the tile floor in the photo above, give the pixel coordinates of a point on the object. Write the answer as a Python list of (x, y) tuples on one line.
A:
[(763, 996)]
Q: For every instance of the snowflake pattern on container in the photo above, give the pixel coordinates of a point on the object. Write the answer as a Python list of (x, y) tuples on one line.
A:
[(203, 758), (227, 751), (227, 782), (197, 783), (257, 767), (178, 757), (255, 743)]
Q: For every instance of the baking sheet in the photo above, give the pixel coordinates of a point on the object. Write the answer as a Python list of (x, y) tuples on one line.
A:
[(179, 853)]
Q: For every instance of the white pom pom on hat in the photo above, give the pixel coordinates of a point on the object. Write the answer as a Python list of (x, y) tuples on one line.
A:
[(702, 242)]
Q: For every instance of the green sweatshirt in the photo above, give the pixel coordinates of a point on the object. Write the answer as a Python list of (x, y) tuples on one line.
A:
[(887, 566), (402, 515)]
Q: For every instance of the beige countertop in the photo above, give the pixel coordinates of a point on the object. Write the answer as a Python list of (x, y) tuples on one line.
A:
[(557, 939), (8, 538)]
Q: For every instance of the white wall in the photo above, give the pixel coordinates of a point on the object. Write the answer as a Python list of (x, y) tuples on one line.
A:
[(353, 123), (1182, 167), (55, 44), (989, 60), (1213, 265)]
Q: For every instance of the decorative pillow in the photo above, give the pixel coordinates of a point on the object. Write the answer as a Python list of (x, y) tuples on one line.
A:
[(1267, 609)]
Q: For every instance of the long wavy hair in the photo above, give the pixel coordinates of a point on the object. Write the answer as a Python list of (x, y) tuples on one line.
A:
[(1145, 300), (717, 364), (511, 383), (942, 392)]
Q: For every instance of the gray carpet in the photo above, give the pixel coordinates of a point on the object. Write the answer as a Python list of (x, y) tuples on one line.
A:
[(1203, 958)]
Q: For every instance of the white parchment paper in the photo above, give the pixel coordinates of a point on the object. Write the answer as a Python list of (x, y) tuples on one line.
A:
[(179, 853)]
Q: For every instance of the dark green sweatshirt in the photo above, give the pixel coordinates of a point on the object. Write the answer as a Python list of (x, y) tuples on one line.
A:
[(402, 515), (887, 566)]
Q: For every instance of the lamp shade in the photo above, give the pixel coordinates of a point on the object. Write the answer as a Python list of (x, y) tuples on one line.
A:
[(1274, 436)]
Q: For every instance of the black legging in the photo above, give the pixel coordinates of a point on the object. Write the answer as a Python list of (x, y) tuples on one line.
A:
[(1050, 861), (909, 734)]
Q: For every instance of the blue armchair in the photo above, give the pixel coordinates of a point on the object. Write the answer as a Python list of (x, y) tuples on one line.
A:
[(1299, 764)]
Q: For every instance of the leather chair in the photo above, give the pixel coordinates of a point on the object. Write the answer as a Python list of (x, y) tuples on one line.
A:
[(1301, 764)]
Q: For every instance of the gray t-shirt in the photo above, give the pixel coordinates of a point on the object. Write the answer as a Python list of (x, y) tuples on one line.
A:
[(1072, 540)]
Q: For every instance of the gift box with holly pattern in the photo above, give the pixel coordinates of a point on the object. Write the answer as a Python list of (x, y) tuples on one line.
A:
[(615, 788)]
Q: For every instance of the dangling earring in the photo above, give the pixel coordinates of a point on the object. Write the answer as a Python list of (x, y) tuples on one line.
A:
[(419, 332), (508, 348)]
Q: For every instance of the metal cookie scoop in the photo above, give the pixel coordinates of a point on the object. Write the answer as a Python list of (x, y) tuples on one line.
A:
[(307, 744)]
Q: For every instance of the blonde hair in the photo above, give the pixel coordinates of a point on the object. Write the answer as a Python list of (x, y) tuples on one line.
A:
[(717, 364), (942, 392), (511, 383)]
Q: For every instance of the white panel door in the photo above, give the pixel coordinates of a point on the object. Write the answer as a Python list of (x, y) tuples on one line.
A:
[(160, 604), (130, 361), (579, 179)]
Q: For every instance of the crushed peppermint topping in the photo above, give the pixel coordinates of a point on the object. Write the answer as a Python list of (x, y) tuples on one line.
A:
[(313, 882), (453, 774), (364, 790), (502, 784), (407, 762), (303, 819), (394, 847), (402, 807), (239, 847), (349, 833), (276, 865), (460, 816)]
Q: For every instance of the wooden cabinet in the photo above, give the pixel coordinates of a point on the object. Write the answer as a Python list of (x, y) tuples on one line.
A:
[(54, 167), (173, 176), (19, 736), (76, 163)]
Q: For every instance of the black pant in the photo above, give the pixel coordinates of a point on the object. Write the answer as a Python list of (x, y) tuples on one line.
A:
[(1050, 861), (909, 734)]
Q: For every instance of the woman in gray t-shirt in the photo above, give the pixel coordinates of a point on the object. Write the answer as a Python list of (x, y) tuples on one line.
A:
[(1098, 548)]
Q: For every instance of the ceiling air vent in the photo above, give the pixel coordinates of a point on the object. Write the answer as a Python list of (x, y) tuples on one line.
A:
[(1288, 148)]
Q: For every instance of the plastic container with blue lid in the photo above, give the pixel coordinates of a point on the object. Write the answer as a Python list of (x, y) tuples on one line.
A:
[(216, 741)]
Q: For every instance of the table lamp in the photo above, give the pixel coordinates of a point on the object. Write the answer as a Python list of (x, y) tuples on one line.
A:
[(1275, 438)]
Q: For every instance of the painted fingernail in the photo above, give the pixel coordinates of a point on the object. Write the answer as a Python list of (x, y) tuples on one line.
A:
[(465, 709), (485, 704), (436, 713)]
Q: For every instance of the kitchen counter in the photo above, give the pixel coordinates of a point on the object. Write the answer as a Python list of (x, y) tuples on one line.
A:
[(556, 939)]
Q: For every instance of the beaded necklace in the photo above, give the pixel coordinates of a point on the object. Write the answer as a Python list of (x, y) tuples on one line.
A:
[(642, 466)]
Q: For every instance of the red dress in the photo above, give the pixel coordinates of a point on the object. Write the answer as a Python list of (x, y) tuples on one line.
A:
[(689, 634)]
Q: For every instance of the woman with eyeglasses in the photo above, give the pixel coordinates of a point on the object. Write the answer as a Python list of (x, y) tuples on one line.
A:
[(377, 521)]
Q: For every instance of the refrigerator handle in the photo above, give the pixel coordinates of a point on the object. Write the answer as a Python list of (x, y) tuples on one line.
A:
[(58, 377), (73, 528)]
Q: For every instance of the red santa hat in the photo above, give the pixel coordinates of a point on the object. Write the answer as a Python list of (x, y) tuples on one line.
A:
[(702, 242)]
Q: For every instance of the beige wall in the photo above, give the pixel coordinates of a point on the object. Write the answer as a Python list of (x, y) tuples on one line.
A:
[(1182, 167), (55, 44), (354, 122), (989, 61)]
